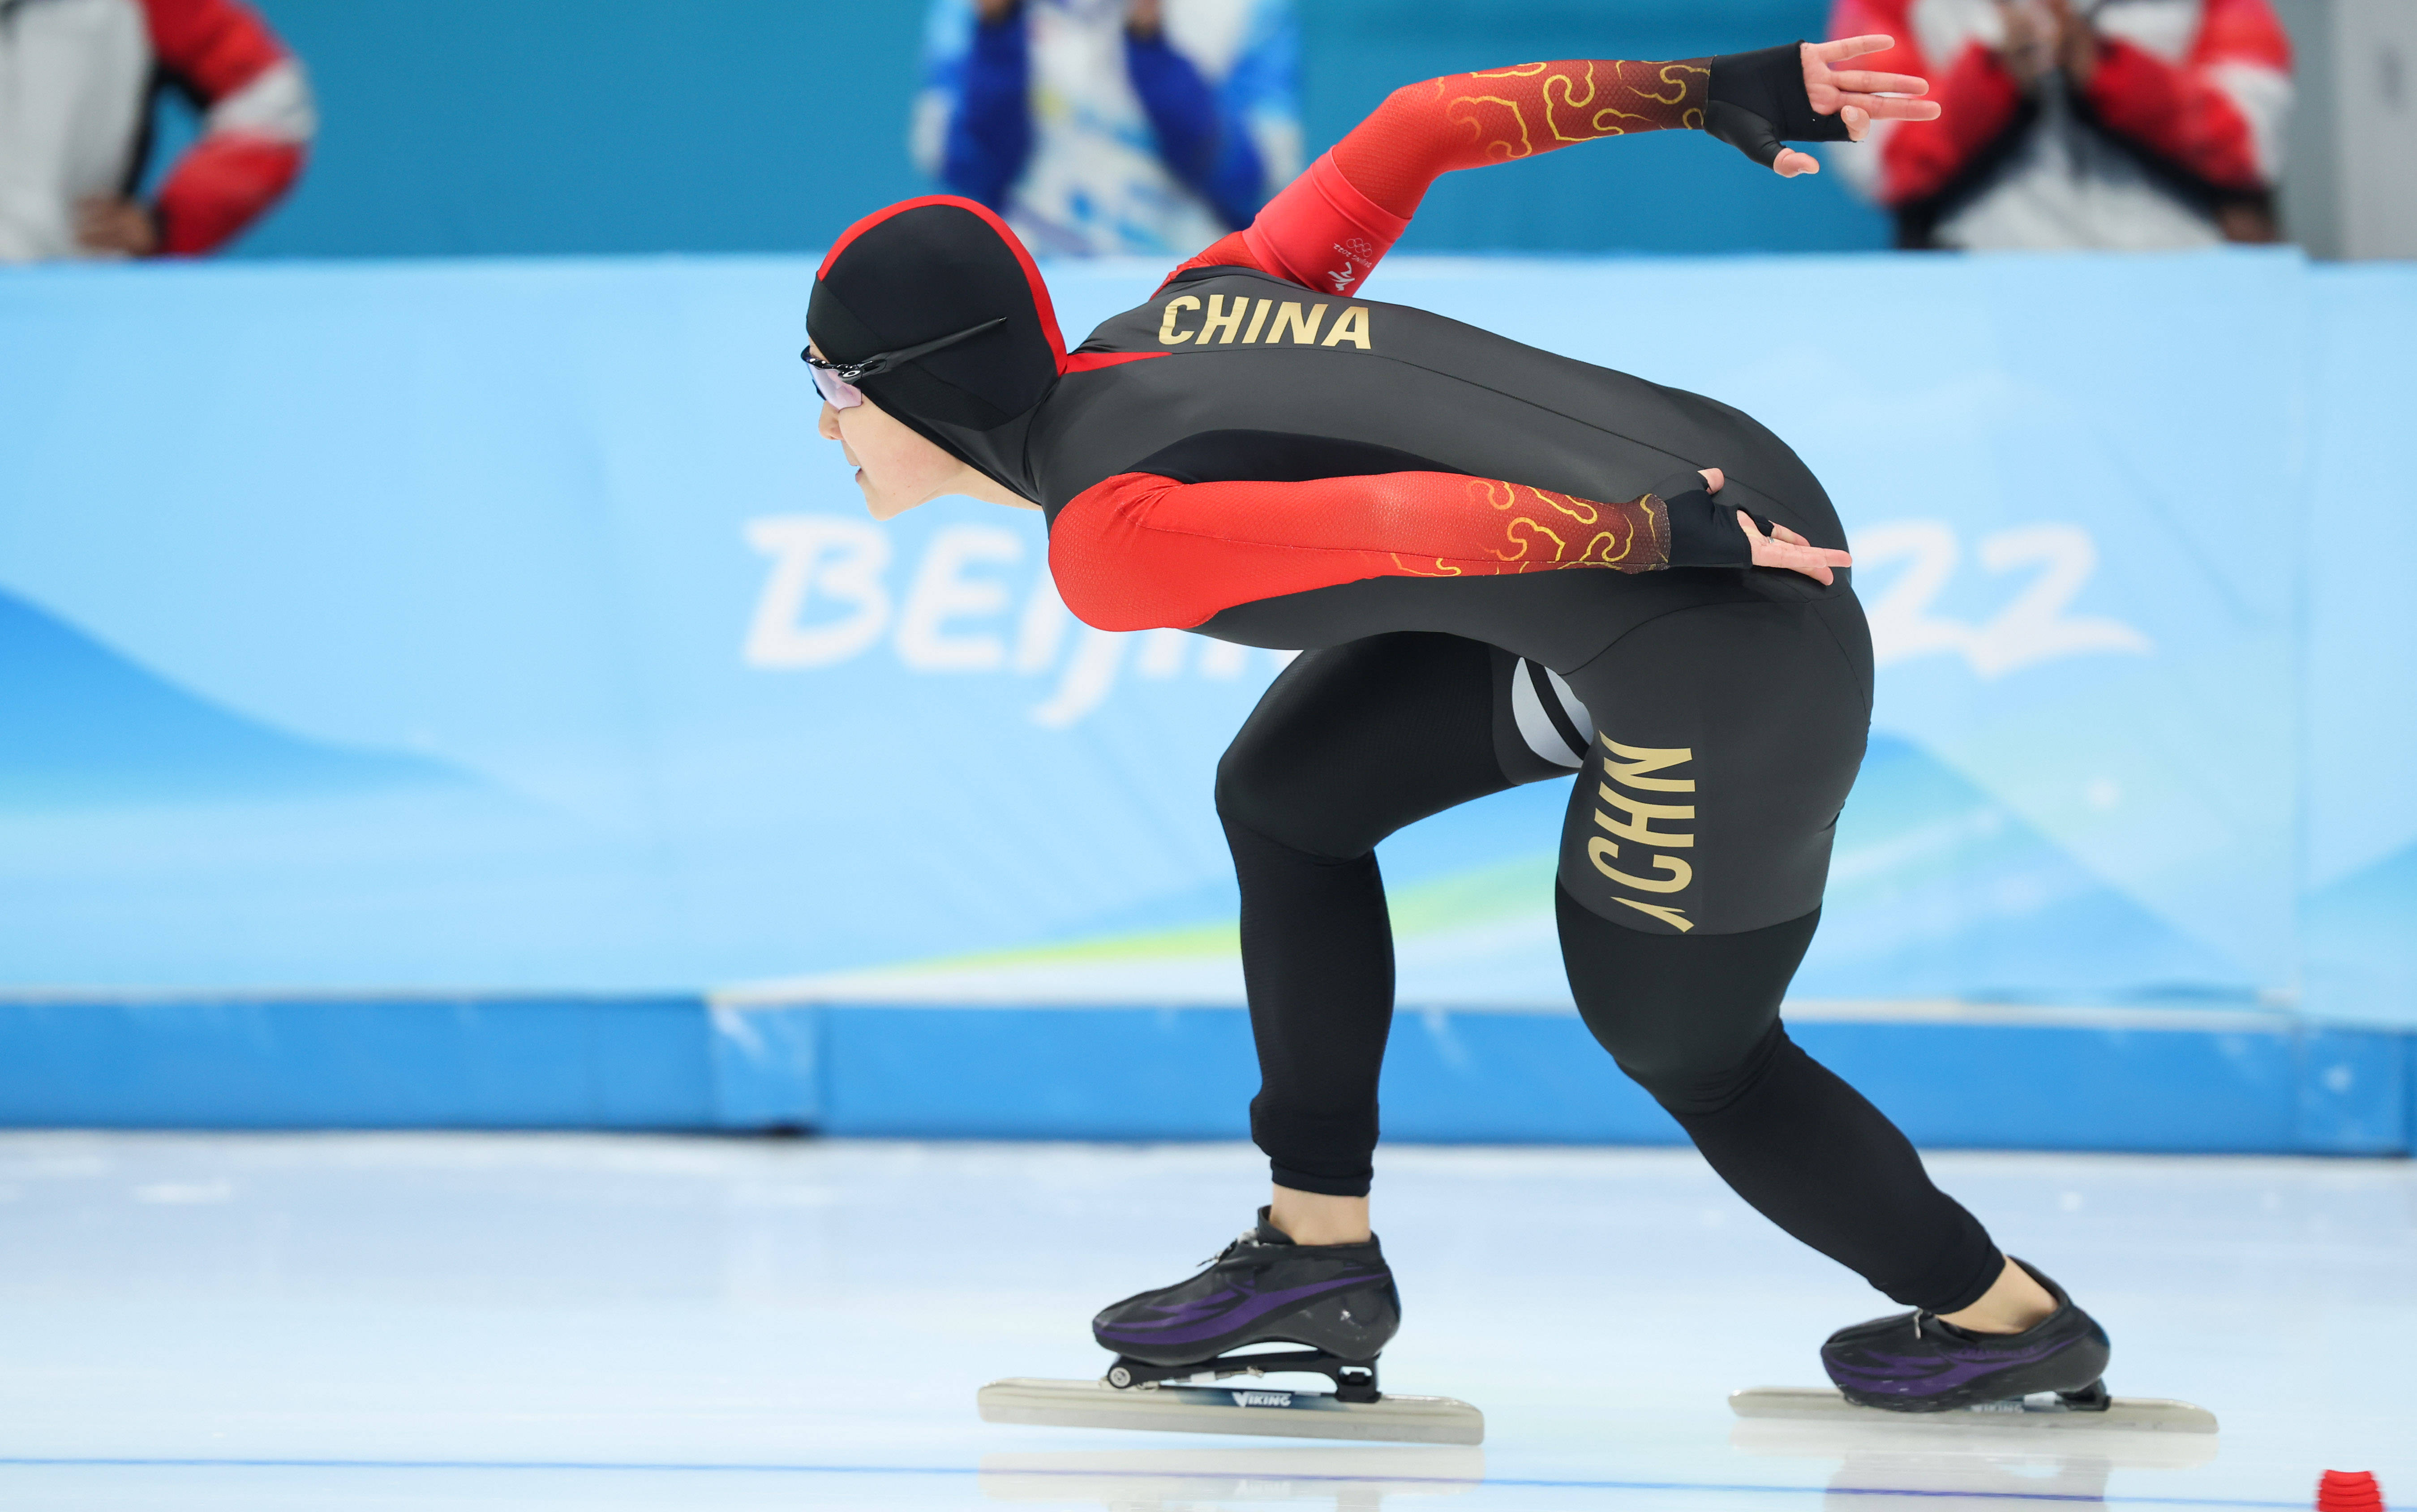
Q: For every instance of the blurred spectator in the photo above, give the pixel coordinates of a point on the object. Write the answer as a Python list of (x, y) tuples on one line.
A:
[(2129, 124), (78, 80), (1112, 126)]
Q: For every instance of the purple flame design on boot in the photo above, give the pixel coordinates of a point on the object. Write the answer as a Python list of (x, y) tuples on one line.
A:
[(1927, 1375), (1218, 1313)]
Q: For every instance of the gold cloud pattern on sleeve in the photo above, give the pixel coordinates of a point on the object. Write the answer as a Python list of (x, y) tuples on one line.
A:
[(1543, 531), (1515, 112)]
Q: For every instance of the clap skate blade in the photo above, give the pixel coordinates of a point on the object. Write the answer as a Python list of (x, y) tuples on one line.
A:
[(2080, 1410), (1360, 1476), (1172, 1399)]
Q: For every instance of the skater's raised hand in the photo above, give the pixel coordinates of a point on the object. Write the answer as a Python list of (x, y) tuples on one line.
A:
[(1857, 97)]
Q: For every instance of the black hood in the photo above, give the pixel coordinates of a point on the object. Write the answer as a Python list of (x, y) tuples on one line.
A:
[(925, 268)]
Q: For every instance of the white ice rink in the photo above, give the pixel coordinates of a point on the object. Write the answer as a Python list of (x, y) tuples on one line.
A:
[(390, 1322)]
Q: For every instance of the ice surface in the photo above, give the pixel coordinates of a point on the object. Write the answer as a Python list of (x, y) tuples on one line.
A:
[(486, 1321)]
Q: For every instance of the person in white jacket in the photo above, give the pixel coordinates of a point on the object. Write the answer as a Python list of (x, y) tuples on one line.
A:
[(78, 80), (2119, 124)]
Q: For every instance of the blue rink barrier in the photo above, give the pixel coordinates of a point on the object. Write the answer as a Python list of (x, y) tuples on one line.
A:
[(2140, 1080)]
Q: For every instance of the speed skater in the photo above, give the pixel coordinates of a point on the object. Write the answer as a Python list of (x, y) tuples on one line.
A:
[(1503, 566)]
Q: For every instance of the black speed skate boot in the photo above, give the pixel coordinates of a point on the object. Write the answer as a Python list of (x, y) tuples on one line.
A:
[(1914, 1362), (1338, 1300)]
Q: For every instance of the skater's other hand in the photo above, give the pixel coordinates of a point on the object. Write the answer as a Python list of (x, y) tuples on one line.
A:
[(1782, 547), (1785, 548)]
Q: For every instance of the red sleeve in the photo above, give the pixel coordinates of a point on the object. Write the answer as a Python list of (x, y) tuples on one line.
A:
[(1978, 98), (220, 186), (2194, 113), (1140, 551), (1328, 228), (216, 46), (251, 149)]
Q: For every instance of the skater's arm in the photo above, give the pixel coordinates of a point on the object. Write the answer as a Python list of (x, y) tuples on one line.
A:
[(1139, 551), (1328, 228)]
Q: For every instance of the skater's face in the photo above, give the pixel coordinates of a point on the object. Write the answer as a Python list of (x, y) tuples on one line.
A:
[(896, 469)]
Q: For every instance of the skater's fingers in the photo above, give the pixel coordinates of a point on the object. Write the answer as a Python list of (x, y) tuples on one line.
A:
[(1850, 47), (1889, 108), (1865, 81), (1787, 550)]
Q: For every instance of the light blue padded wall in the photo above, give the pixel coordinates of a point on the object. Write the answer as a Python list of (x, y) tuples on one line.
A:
[(505, 626)]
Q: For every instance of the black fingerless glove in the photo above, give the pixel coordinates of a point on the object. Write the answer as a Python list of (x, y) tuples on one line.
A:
[(1703, 530), (1757, 100)]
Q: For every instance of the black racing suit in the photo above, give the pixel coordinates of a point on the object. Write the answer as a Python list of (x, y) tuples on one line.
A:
[(1728, 709)]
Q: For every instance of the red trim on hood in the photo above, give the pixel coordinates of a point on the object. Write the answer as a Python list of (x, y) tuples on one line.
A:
[(1085, 361), (1022, 256)]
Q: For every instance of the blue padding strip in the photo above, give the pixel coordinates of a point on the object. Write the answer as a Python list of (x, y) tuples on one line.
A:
[(2230, 1084), (297, 1062)]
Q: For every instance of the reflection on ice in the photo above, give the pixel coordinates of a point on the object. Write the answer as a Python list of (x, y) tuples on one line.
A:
[(1146, 1480), (1988, 1463)]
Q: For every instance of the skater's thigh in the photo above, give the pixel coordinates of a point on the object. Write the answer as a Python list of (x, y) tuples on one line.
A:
[(1727, 738), (1351, 743)]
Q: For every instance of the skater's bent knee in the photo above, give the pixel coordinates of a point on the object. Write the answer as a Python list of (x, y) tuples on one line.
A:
[(1694, 1019), (1699, 1079), (1255, 795)]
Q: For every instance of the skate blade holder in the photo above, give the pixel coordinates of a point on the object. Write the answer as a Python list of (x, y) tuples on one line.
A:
[(2045, 1410), (1171, 1399)]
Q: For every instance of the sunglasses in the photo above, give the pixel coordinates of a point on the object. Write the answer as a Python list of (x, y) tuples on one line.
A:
[(837, 381)]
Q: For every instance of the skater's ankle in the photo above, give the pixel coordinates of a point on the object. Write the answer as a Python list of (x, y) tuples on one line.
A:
[(2014, 1304), (1316, 1218)]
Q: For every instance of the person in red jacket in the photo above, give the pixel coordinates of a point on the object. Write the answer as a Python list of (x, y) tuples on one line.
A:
[(78, 80), (2130, 124)]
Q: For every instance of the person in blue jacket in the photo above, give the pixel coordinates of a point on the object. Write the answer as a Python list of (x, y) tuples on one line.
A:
[(1112, 126)]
